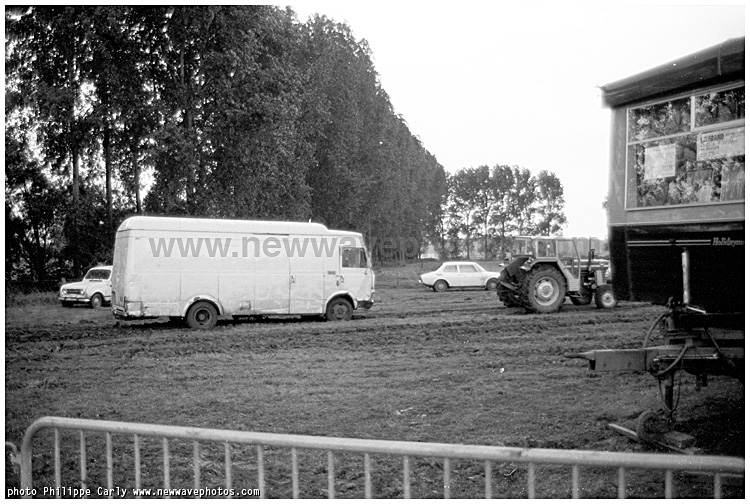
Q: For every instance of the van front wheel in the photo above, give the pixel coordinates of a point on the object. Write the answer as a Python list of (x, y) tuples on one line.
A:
[(202, 315), (339, 310)]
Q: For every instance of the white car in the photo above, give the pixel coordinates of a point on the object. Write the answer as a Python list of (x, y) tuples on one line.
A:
[(95, 289), (459, 274)]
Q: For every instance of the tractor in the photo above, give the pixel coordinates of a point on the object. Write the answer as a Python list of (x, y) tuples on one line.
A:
[(543, 270)]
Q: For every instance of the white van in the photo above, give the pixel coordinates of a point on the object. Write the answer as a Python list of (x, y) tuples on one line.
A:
[(199, 269)]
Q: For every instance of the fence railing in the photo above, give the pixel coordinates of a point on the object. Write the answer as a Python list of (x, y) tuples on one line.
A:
[(718, 466)]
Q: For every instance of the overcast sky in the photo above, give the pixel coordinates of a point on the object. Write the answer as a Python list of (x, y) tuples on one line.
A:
[(483, 82)]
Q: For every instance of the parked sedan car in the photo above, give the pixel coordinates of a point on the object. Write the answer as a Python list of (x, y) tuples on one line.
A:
[(95, 289), (459, 274)]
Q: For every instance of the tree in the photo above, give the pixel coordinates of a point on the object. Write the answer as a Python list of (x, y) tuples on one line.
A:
[(32, 206), (551, 203), (50, 49), (523, 198), (462, 206), (369, 172), (231, 144), (501, 212), (492, 204), (484, 195)]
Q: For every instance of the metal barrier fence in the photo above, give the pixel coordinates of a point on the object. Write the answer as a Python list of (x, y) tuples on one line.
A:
[(719, 467)]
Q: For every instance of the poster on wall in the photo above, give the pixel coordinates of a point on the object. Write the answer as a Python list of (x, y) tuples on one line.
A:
[(660, 161), (721, 144), (732, 181)]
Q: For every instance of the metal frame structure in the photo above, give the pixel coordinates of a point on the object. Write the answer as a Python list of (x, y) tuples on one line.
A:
[(720, 467)]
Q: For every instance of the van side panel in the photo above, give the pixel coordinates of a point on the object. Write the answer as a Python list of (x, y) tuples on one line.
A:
[(271, 276), (237, 280), (199, 271), (306, 260)]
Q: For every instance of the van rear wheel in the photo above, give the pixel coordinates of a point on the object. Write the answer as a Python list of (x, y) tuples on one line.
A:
[(202, 315), (339, 310)]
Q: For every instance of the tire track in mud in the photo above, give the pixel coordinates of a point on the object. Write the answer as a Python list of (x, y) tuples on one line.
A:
[(374, 330)]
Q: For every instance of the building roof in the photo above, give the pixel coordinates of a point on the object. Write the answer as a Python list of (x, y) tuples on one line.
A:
[(720, 63)]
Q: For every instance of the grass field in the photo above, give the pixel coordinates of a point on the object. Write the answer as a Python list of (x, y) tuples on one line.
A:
[(455, 367)]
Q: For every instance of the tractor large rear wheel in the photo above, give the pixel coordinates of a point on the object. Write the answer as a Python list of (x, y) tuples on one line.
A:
[(544, 287)]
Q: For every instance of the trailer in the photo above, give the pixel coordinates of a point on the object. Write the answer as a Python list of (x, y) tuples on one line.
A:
[(676, 208), (196, 270)]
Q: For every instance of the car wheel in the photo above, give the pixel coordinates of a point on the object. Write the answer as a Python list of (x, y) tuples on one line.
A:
[(339, 310), (96, 301), (491, 284), (202, 315), (440, 286)]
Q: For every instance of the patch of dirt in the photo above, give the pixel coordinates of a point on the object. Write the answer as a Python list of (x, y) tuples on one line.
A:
[(455, 367)]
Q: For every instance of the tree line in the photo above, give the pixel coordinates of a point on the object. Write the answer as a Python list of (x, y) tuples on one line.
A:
[(217, 111), (485, 206), (220, 111)]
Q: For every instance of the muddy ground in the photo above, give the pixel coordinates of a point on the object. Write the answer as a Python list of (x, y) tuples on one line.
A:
[(455, 367)]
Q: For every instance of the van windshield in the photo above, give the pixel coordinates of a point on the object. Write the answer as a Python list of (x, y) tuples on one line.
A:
[(353, 257)]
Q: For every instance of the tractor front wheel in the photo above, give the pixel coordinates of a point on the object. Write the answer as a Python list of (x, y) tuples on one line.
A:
[(545, 289), (605, 297)]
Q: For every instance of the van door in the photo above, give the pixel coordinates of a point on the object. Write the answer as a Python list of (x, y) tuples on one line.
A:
[(306, 277), (271, 274), (356, 273)]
